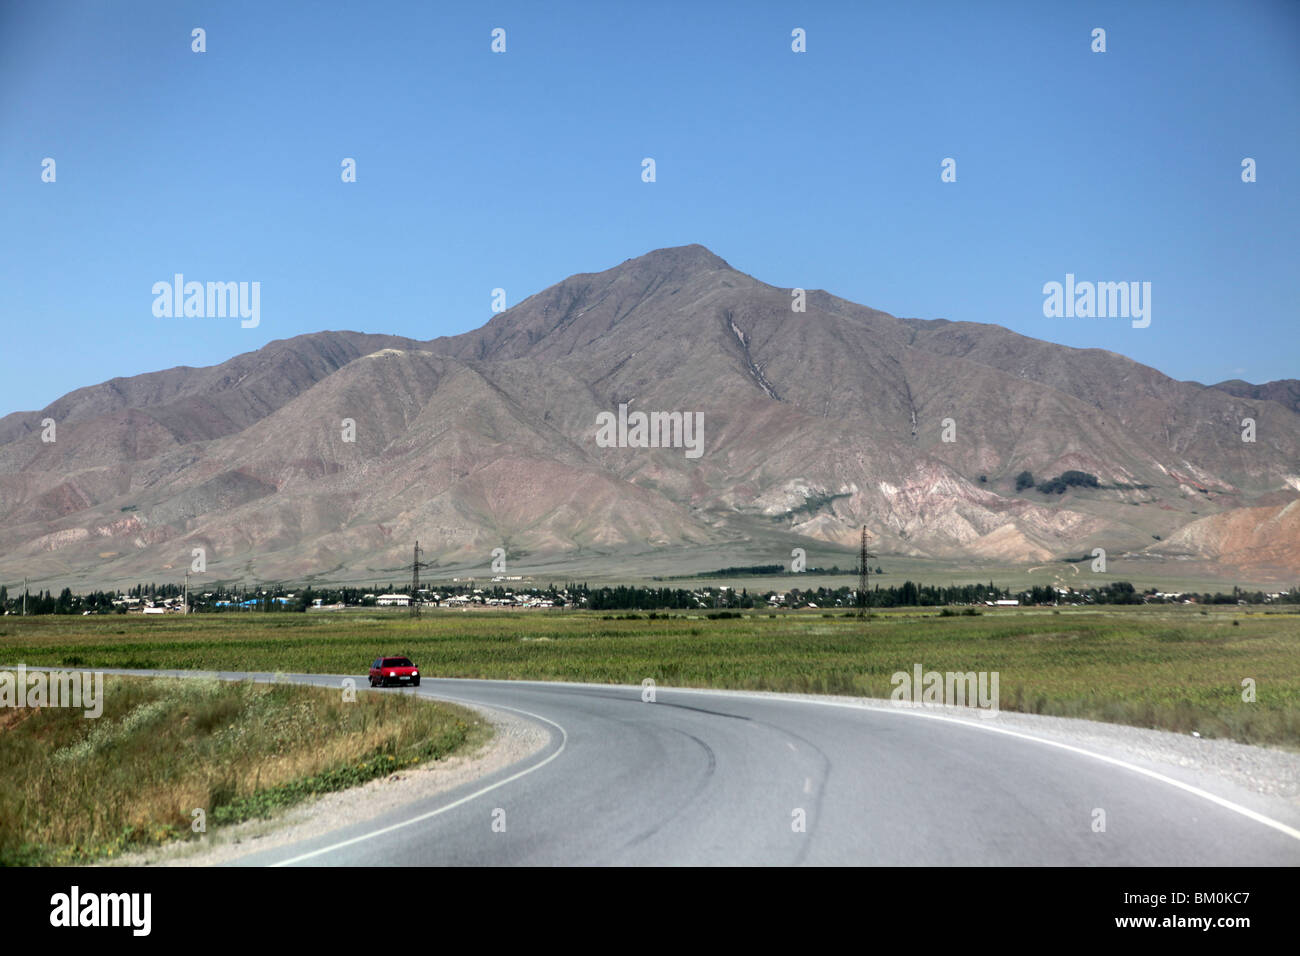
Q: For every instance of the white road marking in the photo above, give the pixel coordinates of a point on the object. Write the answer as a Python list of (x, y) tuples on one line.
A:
[(1114, 761), (564, 739)]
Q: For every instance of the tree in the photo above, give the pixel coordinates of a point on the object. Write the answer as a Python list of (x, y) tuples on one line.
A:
[(1081, 478), (1024, 480)]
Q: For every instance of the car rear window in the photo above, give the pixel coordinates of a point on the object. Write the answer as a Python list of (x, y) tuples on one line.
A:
[(397, 662)]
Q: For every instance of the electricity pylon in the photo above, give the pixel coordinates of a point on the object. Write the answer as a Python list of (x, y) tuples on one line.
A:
[(415, 580), (864, 574)]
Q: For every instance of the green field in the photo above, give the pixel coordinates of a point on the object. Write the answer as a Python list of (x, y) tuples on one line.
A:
[(77, 790), (1170, 667)]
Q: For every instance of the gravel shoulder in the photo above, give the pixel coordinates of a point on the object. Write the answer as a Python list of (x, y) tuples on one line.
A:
[(513, 739)]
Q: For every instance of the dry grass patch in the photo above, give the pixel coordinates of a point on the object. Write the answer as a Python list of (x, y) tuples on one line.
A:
[(77, 789)]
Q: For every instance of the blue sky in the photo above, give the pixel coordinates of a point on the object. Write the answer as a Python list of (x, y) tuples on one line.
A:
[(478, 170)]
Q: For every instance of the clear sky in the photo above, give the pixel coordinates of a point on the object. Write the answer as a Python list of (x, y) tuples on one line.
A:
[(478, 170)]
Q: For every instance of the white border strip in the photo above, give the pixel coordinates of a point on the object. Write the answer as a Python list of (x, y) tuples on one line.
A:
[(722, 692), (564, 739), (1114, 761), (883, 707)]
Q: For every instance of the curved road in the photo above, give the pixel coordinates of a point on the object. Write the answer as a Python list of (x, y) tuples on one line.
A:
[(722, 777), (701, 777)]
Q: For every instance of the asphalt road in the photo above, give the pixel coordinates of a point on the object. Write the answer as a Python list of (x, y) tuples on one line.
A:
[(727, 778), (701, 777)]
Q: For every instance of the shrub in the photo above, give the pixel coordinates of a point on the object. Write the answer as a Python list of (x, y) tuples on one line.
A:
[(1068, 479), (1080, 478)]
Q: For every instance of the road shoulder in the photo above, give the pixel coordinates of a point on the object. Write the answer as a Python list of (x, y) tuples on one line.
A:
[(514, 738)]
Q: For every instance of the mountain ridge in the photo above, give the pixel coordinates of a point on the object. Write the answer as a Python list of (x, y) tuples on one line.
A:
[(816, 423)]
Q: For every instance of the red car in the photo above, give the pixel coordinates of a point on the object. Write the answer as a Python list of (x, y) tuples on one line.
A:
[(394, 670)]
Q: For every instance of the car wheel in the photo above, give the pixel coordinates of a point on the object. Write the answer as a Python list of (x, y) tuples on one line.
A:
[(416, 682)]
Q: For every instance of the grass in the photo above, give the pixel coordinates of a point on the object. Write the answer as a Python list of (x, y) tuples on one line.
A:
[(76, 790), (1173, 668)]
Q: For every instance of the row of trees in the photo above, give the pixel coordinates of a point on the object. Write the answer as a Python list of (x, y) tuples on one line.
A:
[(1059, 484), (637, 598)]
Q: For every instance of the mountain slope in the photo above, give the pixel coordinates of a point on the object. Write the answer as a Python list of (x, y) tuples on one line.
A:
[(815, 423), (1284, 391)]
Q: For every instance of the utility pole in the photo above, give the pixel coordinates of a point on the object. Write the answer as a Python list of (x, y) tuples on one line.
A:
[(186, 607), (864, 574), (24, 595)]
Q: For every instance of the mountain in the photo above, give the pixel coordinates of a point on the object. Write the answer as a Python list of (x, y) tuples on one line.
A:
[(1284, 391), (815, 422)]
